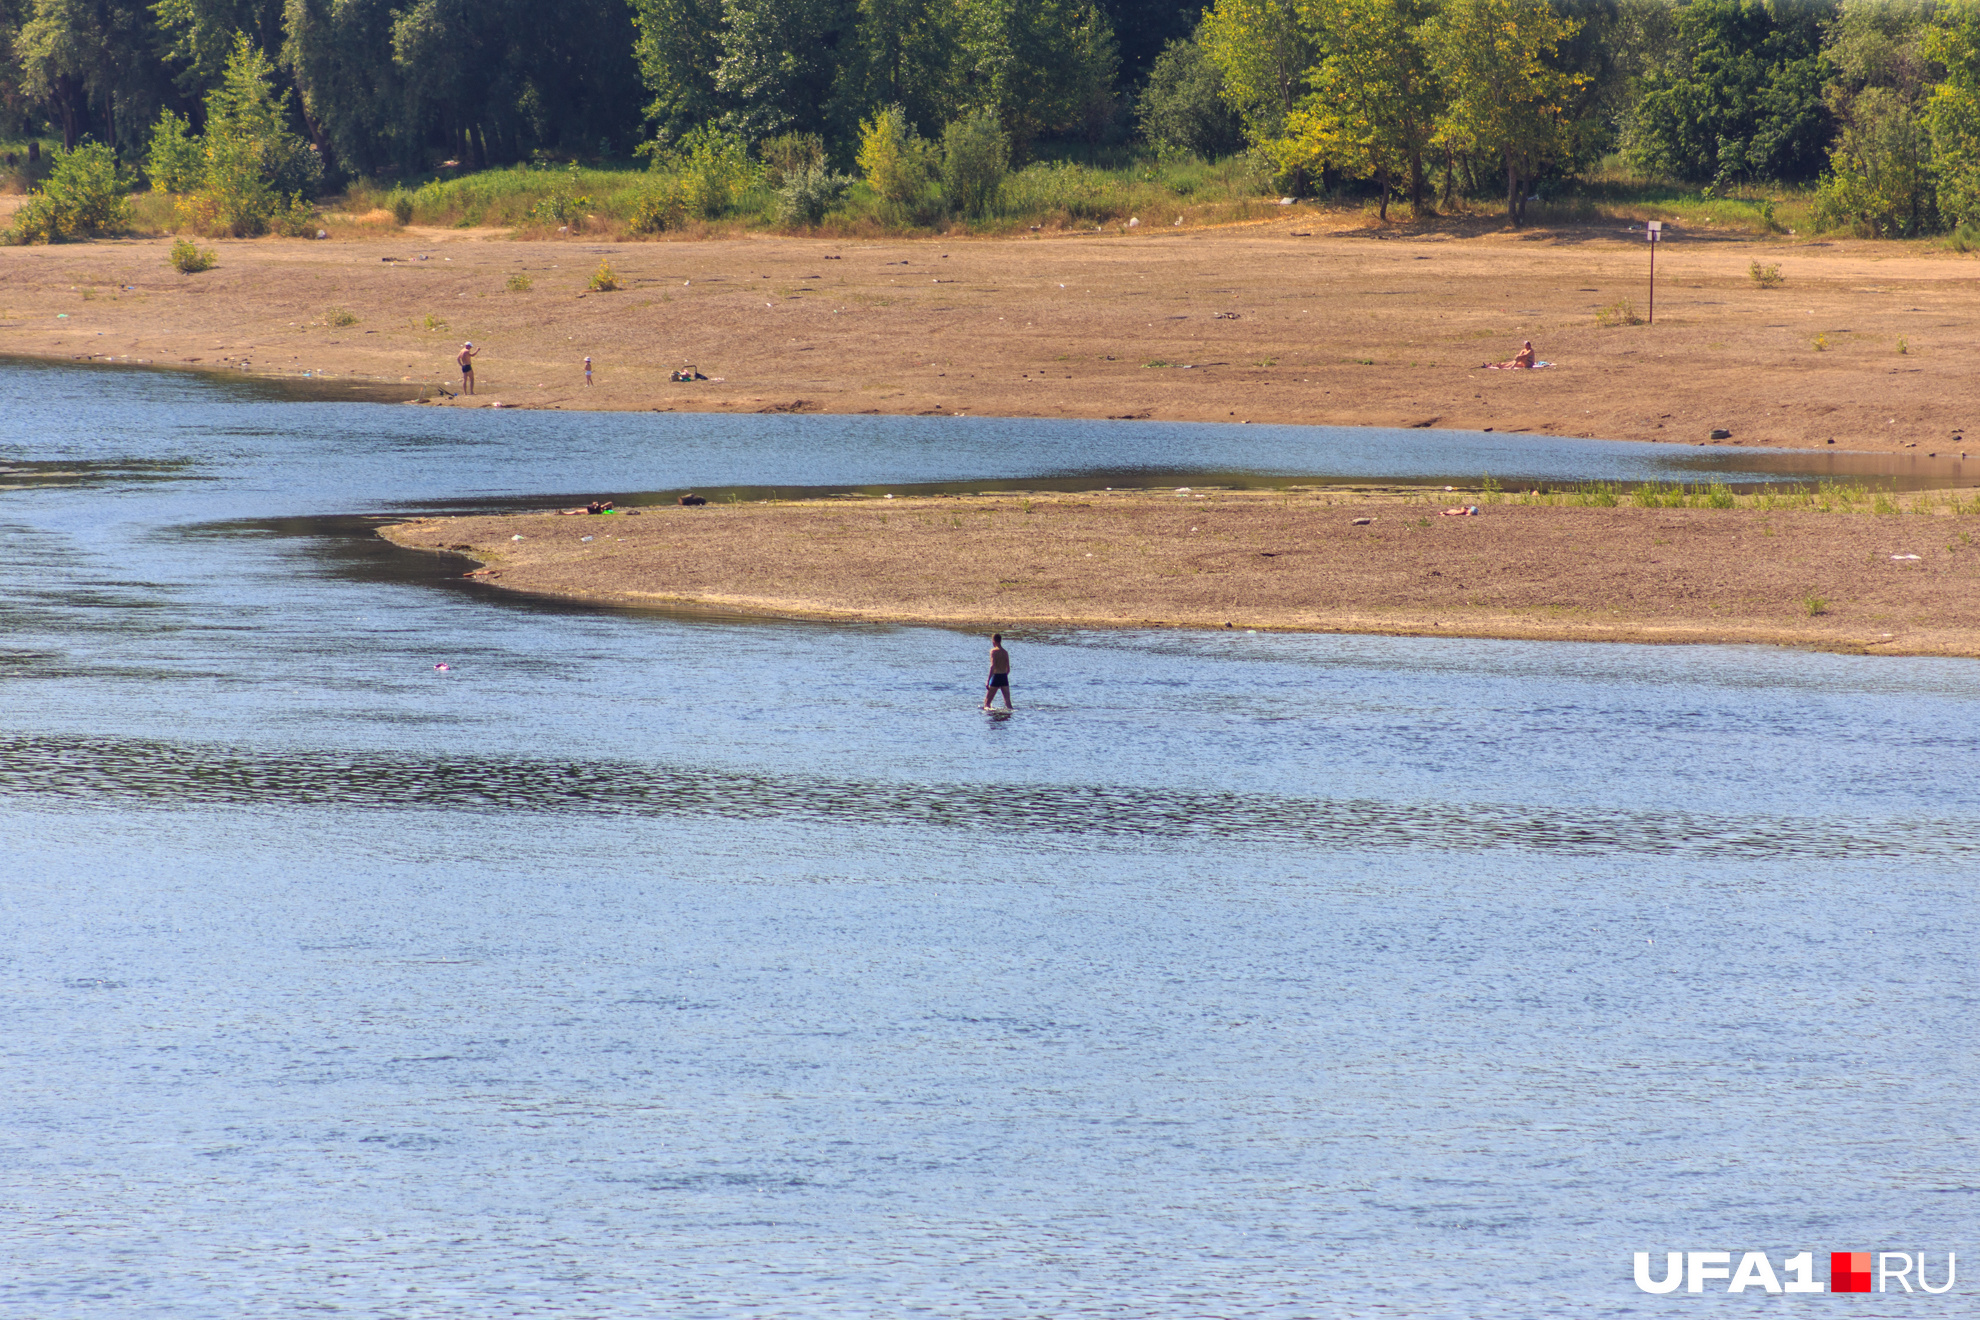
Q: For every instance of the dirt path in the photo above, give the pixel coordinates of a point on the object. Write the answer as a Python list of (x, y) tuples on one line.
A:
[(1901, 583), (1865, 344)]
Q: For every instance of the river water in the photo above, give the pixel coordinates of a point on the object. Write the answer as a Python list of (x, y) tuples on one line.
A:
[(642, 964)]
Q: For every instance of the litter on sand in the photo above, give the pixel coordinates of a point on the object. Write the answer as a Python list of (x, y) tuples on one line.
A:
[(1904, 556), (1464, 511), (1363, 522)]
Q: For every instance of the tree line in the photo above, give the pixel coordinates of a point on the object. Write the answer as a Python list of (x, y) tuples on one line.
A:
[(1875, 102)]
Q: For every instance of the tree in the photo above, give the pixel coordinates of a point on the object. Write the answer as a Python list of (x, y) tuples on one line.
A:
[(1183, 107), (1881, 176), (975, 156), (1044, 67), (1739, 93), (1505, 99), (1374, 102), (1952, 111), (678, 47), (778, 63), (89, 64), (1263, 52)]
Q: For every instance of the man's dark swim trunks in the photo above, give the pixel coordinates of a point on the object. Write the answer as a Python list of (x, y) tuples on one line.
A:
[(1000, 680)]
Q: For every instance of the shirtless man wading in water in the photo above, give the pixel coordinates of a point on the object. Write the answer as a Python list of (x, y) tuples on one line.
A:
[(1000, 672), (466, 358)]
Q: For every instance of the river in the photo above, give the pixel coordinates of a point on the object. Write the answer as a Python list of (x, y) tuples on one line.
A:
[(644, 964)]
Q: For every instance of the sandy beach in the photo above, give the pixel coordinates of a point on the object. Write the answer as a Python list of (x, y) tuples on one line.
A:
[(1301, 560), (1314, 318)]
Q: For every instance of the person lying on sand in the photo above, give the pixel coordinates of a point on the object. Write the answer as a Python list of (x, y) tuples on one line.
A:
[(1462, 511), (596, 506)]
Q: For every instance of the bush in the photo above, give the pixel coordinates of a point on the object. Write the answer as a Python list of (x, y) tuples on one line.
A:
[(401, 207), (809, 193), (520, 283), (604, 279), (175, 160), (565, 206), (1767, 277), (1183, 107), (83, 198), (1621, 312), (297, 219), (189, 258), (789, 155), (976, 155), (711, 167), (897, 163), (663, 206)]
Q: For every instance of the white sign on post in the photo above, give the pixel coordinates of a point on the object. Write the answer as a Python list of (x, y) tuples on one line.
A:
[(1653, 230)]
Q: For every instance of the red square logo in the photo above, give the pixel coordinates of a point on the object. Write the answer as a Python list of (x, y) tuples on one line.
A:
[(1849, 1271)]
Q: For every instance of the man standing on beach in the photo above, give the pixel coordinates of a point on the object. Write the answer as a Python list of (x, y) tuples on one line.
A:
[(466, 358), (1000, 672)]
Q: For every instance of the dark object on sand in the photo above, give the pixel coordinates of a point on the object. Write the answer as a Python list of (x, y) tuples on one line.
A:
[(693, 501), (686, 374)]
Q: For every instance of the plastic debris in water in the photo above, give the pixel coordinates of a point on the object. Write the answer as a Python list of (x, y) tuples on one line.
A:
[(443, 667)]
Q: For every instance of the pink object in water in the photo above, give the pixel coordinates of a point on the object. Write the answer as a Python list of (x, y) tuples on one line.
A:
[(442, 667)]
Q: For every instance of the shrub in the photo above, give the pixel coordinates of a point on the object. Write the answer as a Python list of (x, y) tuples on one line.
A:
[(604, 279), (520, 283), (711, 167), (297, 219), (976, 155), (1767, 277), (1814, 605), (808, 193), (565, 205), (660, 207), (1719, 497), (1183, 107), (1618, 313), (402, 207), (790, 154), (82, 198), (897, 163), (175, 159), (189, 258), (343, 318)]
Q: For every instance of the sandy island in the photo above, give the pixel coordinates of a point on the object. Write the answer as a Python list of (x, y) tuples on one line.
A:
[(1300, 559), (1311, 317)]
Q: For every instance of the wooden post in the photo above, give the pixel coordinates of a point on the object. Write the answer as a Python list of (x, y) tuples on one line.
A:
[(1654, 231)]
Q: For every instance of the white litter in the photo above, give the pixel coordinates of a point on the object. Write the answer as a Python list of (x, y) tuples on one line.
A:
[(1904, 556)]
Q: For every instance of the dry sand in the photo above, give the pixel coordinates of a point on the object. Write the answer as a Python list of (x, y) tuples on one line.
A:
[(1293, 560), (1313, 318)]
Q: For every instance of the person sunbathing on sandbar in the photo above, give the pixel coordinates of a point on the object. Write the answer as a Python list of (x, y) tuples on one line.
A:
[(1524, 360)]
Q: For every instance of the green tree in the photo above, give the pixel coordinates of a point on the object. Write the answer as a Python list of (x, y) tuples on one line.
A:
[(778, 63), (975, 156), (1952, 112), (678, 49), (1505, 99), (1263, 51), (1184, 108), (89, 64), (905, 53), (1044, 67), (1882, 177), (1738, 93), (1374, 102)]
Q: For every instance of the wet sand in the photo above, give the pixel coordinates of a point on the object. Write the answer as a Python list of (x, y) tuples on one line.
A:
[(1310, 318), (1295, 560)]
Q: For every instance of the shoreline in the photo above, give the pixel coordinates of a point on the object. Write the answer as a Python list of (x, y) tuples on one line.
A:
[(1862, 349), (1293, 561)]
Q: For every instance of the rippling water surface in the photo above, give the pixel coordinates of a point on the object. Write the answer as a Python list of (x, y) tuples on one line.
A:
[(644, 965)]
